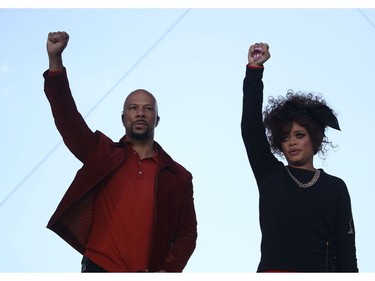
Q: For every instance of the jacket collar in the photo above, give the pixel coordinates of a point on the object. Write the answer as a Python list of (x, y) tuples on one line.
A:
[(165, 160)]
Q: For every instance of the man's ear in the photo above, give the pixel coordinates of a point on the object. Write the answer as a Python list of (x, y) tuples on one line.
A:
[(157, 120), (123, 119)]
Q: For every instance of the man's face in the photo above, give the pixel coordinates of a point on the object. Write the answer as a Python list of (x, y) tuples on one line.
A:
[(140, 116)]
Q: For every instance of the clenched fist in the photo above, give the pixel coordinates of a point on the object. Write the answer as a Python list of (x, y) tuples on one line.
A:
[(56, 43), (258, 54)]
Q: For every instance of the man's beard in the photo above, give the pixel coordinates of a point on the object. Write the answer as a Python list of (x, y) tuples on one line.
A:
[(146, 135)]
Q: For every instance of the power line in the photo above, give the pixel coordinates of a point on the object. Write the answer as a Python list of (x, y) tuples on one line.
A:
[(367, 18), (30, 173), (139, 61), (157, 42)]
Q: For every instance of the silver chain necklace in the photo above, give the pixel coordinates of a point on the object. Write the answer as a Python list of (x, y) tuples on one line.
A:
[(308, 184)]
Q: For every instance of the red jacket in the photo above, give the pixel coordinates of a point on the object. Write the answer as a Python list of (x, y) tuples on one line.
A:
[(174, 225)]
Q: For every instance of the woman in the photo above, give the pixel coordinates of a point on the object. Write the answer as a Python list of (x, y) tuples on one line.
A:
[(305, 213)]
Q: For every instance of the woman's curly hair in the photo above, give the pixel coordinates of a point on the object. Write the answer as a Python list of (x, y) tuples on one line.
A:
[(282, 111)]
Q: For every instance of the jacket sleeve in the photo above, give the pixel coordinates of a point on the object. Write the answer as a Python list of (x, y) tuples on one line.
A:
[(185, 235), (76, 135), (345, 234), (252, 128)]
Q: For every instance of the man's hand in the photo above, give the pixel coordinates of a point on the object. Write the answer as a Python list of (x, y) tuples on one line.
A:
[(258, 54), (56, 43)]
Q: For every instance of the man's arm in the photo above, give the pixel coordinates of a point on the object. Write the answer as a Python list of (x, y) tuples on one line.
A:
[(185, 234), (76, 134)]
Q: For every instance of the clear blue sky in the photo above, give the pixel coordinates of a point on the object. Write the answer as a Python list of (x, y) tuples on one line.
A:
[(195, 70)]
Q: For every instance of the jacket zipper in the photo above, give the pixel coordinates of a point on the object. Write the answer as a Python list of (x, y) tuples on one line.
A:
[(153, 221), (327, 256)]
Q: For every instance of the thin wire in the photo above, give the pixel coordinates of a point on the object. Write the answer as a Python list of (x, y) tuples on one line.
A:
[(367, 18), (96, 105), (138, 62), (30, 173)]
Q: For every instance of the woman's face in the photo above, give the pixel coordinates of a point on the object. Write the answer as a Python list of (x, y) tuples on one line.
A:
[(297, 147)]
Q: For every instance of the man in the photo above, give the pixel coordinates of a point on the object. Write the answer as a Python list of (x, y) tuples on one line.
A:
[(130, 207)]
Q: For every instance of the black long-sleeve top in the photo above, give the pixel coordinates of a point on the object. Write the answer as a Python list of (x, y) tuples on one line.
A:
[(303, 229)]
